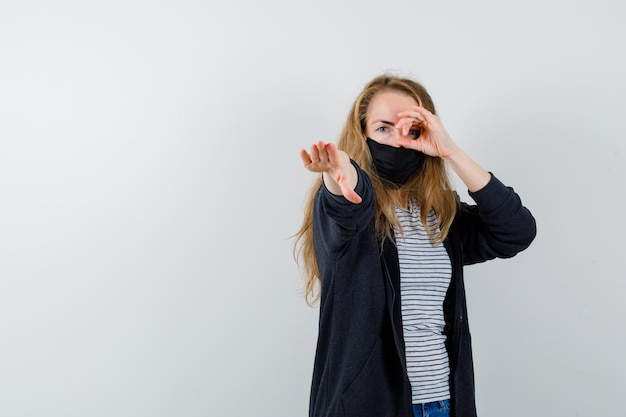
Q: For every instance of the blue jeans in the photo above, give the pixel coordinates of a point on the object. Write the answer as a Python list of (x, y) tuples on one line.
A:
[(434, 409)]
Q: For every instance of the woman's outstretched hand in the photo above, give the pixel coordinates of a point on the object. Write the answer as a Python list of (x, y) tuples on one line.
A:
[(340, 176)]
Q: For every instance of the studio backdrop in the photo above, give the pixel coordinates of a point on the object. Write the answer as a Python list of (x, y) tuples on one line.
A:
[(150, 186)]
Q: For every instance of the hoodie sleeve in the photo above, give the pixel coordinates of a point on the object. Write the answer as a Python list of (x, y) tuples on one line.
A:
[(337, 220), (498, 226)]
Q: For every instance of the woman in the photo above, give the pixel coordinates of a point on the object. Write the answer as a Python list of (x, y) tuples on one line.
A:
[(383, 244)]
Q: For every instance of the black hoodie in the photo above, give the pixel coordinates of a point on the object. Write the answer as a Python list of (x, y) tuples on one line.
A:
[(359, 368)]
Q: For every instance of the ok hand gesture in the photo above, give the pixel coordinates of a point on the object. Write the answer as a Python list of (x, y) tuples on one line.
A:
[(433, 140)]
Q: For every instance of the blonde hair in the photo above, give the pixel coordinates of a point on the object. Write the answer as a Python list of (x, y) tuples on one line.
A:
[(429, 186)]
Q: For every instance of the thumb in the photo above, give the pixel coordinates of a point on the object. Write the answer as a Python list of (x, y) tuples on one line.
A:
[(350, 194)]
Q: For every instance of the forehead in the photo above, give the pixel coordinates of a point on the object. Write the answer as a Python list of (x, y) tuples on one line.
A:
[(387, 104)]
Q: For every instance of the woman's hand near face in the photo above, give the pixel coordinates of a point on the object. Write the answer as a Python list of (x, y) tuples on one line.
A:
[(433, 140), (340, 176)]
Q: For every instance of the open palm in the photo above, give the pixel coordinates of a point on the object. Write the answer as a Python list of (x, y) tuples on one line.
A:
[(335, 165)]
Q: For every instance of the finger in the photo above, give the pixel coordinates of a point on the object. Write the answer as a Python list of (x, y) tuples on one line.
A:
[(422, 110), (323, 153), (412, 114), (406, 124), (315, 154), (333, 154), (414, 144), (428, 116), (306, 158), (350, 195)]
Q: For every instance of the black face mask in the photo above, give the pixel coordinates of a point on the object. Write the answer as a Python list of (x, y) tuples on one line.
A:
[(395, 164)]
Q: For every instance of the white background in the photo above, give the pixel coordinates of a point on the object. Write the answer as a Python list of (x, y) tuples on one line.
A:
[(150, 183)]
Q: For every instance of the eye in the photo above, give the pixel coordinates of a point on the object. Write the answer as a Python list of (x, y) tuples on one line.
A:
[(383, 129), (415, 133)]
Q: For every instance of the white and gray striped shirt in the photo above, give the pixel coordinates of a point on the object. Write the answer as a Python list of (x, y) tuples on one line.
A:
[(425, 274)]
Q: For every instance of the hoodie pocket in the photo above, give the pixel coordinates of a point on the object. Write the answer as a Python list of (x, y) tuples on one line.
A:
[(372, 393), (363, 375)]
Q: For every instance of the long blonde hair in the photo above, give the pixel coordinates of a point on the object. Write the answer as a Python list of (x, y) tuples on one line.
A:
[(429, 186)]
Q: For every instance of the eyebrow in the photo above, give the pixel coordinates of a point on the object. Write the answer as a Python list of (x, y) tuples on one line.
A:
[(388, 123), (383, 121)]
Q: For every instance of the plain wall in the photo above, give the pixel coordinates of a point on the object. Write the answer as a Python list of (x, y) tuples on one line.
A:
[(150, 183)]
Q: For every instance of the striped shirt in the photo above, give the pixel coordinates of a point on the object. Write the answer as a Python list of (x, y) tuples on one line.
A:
[(425, 274)]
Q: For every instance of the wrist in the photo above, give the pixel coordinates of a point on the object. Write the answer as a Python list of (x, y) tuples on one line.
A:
[(454, 155), (469, 171)]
